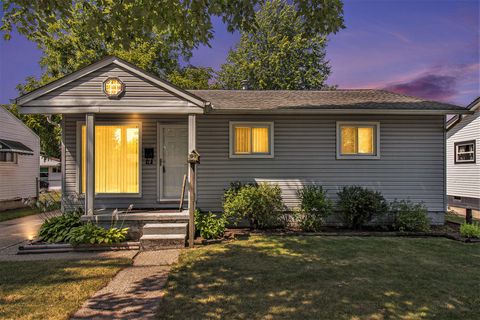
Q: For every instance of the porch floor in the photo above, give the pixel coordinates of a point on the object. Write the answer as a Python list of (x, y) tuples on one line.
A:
[(140, 215)]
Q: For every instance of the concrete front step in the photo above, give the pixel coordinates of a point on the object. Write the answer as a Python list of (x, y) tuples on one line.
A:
[(150, 242), (164, 228)]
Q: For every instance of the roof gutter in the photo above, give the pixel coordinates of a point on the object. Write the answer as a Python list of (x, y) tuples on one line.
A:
[(214, 110)]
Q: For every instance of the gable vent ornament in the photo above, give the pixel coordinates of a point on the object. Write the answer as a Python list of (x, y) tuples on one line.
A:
[(113, 88)]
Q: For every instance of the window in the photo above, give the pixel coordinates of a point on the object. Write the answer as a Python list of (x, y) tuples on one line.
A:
[(117, 162), (44, 174), (465, 152), (251, 139), (56, 169), (8, 157), (113, 87), (358, 140)]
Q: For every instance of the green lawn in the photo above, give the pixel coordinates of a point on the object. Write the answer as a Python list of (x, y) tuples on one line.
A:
[(17, 213), (51, 289), (326, 278)]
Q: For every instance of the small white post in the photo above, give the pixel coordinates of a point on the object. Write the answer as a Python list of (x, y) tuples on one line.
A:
[(90, 165)]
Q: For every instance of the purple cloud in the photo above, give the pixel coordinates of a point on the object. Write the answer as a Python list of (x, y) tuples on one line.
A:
[(428, 86)]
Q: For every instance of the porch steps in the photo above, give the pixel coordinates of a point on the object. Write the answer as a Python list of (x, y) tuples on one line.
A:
[(157, 236)]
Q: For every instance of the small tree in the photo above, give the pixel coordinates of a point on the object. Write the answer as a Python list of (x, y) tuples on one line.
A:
[(280, 53)]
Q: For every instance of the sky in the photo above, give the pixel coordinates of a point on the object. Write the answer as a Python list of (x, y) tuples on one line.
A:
[(425, 48)]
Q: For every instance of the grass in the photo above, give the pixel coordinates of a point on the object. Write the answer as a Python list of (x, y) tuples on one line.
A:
[(272, 277), (51, 289), (457, 218), (17, 213)]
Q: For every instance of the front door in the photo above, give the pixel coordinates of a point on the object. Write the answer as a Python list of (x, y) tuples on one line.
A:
[(172, 160)]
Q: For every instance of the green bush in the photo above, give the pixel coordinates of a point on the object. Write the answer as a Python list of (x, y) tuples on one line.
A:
[(94, 234), (315, 207), (209, 225), (470, 230), (57, 229), (359, 206), (261, 205), (410, 216)]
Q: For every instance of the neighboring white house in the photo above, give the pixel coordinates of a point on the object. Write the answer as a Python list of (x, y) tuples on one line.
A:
[(463, 160), (19, 161), (50, 173)]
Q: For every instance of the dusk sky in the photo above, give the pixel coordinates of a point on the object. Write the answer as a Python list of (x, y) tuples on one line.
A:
[(424, 48)]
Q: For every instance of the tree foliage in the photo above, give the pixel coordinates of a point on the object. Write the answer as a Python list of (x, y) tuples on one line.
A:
[(191, 77), (280, 53), (152, 34)]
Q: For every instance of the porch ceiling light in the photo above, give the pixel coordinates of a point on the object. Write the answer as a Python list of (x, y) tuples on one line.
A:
[(113, 87)]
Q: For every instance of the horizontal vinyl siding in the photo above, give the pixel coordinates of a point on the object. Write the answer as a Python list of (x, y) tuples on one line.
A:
[(90, 87), (411, 164), (18, 180), (148, 198), (464, 179)]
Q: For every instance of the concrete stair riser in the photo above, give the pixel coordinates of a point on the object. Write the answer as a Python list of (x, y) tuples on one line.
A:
[(164, 228)]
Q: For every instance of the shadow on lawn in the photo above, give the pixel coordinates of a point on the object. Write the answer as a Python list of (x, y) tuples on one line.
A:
[(326, 278)]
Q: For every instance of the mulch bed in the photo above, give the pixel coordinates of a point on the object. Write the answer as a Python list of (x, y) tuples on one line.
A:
[(450, 230)]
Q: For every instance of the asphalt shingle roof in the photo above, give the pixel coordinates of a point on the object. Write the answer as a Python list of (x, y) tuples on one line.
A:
[(304, 99)]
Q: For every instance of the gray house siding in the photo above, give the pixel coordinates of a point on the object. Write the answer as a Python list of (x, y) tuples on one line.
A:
[(411, 164), (463, 179), (90, 87)]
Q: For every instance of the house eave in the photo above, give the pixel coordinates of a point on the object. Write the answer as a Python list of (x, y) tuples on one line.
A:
[(338, 111), (111, 110)]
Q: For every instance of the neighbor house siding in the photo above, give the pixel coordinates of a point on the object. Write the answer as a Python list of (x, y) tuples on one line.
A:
[(148, 198), (18, 180), (411, 165), (463, 179)]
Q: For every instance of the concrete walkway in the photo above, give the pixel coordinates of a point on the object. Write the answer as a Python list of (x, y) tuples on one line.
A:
[(135, 292)]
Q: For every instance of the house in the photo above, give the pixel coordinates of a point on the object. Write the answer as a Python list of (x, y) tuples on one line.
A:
[(50, 173), (463, 161), (127, 134), (19, 165)]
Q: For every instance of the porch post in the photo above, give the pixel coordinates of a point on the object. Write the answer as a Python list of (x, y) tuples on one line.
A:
[(90, 165), (192, 145)]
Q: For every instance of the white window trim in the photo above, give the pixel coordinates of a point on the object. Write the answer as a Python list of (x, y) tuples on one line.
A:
[(457, 145), (341, 156), (233, 124), (79, 159)]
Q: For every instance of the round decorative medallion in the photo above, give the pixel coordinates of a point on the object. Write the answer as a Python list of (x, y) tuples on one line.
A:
[(113, 88)]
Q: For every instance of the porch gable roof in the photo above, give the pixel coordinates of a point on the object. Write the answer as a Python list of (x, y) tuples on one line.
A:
[(168, 99)]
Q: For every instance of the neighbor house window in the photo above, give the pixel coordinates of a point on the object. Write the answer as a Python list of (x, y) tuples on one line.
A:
[(358, 140), (117, 160), (465, 152), (8, 157), (251, 139)]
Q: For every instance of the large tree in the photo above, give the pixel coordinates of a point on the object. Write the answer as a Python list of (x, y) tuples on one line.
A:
[(152, 34), (280, 53)]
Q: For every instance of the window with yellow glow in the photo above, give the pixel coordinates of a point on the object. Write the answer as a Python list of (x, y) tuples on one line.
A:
[(251, 139), (117, 153), (358, 139), (113, 87)]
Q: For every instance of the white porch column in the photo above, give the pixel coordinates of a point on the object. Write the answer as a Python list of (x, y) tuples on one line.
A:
[(90, 165), (192, 145)]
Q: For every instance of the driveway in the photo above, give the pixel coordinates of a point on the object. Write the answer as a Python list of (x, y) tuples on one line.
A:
[(15, 231)]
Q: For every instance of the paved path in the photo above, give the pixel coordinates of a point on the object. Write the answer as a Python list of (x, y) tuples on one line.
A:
[(15, 231), (135, 292)]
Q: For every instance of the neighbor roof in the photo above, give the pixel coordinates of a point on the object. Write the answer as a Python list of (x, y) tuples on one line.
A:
[(473, 106), (304, 100)]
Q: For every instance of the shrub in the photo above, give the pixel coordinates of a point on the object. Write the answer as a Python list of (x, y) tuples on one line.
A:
[(315, 207), (57, 229), (359, 206), (410, 216), (261, 204), (209, 225), (94, 234), (470, 230)]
